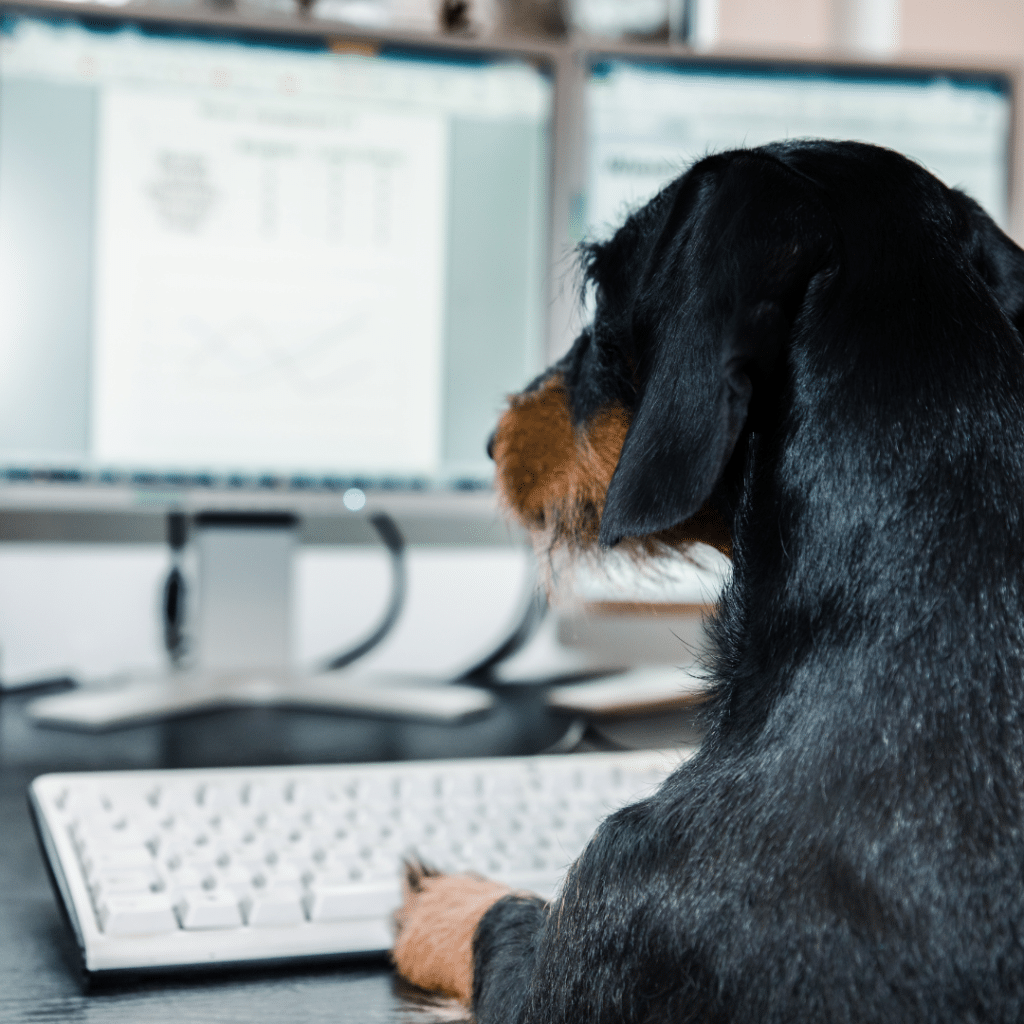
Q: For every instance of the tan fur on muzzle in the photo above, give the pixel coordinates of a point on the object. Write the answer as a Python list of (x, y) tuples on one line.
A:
[(553, 475)]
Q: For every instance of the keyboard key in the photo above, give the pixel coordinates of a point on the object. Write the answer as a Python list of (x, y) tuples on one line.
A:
[(133, 881), (273, 905), (183, 876), (136, 915), (347, 902), (99, 860), (119, 835), (218, 908)]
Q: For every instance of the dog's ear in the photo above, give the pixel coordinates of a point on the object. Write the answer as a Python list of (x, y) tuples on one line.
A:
[(998, 259), (724, 282)]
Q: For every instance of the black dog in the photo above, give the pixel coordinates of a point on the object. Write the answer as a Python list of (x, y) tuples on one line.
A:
[(815, 346)]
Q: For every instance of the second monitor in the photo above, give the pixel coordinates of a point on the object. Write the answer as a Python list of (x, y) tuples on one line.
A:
[(649, 116)]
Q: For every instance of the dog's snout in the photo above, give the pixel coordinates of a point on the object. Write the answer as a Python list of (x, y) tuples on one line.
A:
[(490, 445)]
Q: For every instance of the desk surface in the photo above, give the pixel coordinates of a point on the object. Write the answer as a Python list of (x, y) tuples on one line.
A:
[(40, 978)]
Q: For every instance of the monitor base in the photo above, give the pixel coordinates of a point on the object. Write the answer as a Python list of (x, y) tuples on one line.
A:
[(130, 701)]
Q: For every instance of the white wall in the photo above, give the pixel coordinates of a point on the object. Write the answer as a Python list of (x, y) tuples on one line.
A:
[(93, 611)]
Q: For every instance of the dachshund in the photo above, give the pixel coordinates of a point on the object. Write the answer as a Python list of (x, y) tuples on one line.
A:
[(808, 353)]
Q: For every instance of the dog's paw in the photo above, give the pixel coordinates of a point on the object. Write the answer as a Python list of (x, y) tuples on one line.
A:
[(436, 923)]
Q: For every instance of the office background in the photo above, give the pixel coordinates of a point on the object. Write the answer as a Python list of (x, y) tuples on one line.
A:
[(92, 609)]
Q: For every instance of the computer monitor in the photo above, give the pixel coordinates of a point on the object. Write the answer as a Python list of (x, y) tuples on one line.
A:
[(261, 269), (649, 115), (236, 258)]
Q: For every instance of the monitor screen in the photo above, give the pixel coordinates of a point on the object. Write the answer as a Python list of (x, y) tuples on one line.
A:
[(649, 118), (233, 258)]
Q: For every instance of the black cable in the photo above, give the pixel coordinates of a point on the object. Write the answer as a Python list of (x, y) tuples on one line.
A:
[(389, 533), (534, 610), (174, 590)]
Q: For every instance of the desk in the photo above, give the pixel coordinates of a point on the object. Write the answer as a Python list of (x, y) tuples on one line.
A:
[(39, 971)]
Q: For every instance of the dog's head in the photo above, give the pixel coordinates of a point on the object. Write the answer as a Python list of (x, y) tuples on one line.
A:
[(704, 299)]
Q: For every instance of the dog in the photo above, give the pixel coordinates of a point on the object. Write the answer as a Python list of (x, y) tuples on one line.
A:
[(808, 353)]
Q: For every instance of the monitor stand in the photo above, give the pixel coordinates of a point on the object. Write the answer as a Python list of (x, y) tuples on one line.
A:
[(241, 653)]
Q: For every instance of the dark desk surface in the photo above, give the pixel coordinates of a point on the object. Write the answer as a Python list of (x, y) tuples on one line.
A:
[(40, 976)]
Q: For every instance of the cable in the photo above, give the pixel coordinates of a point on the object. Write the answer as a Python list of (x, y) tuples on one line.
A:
[(389, 533), (174, 591), (534, 608)]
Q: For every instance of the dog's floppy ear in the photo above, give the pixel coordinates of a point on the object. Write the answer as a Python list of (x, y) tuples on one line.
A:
[(722, 287), (999, 260)]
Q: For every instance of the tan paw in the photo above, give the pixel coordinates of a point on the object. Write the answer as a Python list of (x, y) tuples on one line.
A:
[(436, 924)]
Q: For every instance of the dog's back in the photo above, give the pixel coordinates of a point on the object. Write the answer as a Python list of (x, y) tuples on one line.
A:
[(872, 646), (850, 843), (821, 343)]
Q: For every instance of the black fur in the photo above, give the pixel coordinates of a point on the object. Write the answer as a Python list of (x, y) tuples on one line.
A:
[(822, 340)]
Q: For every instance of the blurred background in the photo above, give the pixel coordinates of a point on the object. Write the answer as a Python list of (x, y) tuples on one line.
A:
[(85, 607)]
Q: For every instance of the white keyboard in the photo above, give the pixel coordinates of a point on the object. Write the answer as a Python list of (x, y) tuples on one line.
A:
[(161, 869)]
